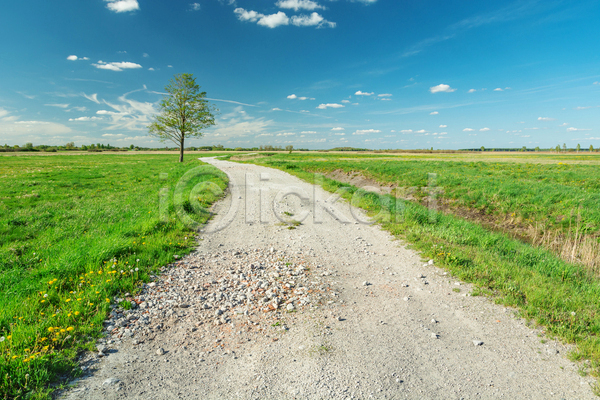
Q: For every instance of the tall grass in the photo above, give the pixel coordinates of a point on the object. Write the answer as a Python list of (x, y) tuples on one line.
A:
[(76, 231)]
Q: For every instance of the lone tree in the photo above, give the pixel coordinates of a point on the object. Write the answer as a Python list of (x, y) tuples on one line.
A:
[(184, 112)]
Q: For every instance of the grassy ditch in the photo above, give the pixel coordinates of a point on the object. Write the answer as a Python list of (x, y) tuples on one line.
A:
[(563, 297), (75, 232)]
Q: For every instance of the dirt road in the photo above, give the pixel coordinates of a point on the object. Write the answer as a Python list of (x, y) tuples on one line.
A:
[(331, 309)]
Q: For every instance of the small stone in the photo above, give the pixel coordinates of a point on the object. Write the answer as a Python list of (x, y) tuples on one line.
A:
[(434, 335), (477, 342), (101, 348), (340, 318), (160, 351), (110, 382), (135, 341), (152, 284), (430, 262), (290, 307), (366, 283), (433, 321), (406, 299), (551, 351)]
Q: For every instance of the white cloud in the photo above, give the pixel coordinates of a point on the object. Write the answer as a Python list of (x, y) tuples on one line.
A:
[(329, 105), (596, 83), (270, 21), (564, 124), (434, 113), (292, 96), (443, 126), (360, 93), (150, 69), (313, 20), (385, 95), (195, 6), (274, 20), (468, 130), (484, 129), (338, 128), (441, 88), (244, 15), (498, 90), (299, 5), (308, 132), (407, 131), (276, 109), (75, 58), (286, 134), (339, 134), (83, 119), (471, 91), (92, 97), (345, 101), (571, 129), (546, 119), (145, 55), (365, 131), (421, 131), (57, 105), (116, 66), (122, 5)]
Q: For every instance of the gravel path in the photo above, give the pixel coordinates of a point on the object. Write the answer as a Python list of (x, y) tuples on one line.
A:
[(330, 308)]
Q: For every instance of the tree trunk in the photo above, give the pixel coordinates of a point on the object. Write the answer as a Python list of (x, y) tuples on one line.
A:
[(181, 150)]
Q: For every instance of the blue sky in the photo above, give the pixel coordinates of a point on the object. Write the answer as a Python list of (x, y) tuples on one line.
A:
[(310, 73)]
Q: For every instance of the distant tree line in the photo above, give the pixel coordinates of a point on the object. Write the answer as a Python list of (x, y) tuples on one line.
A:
[(557, 149), (99, 147)]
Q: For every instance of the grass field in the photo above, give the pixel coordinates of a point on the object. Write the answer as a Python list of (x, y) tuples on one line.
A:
[(556, 198), (76, 231)]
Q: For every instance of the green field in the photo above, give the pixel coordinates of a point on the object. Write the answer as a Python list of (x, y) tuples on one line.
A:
[(76, 231), (552, 203)]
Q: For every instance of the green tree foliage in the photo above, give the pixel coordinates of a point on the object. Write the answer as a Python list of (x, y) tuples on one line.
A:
[(184, 112)]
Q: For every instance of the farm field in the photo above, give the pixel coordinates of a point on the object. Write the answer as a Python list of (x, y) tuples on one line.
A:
[(525, 232), (76, 230)]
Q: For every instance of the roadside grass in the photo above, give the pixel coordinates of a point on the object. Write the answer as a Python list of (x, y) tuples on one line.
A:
[(552, 204), (76, 231), (562, 297)]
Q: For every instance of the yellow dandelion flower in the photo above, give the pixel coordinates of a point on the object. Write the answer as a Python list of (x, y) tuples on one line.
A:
[(69, 329), (108, 300), (62, 330), (50, 329), (76, 312), (67, 300)]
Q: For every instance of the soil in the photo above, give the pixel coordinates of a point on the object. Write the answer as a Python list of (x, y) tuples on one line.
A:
[(391, 325)]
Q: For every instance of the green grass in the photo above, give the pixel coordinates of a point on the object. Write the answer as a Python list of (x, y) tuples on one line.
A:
[(563, 297), (75, 232)]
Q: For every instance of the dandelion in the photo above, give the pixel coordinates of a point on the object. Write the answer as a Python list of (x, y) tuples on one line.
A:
[(108, 300), (51, 329), (62, 330), (69, 329), (137, 269), (67, 300), (9, 337), (76, 312), (138, 260), (46, 295), (2, 339)]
